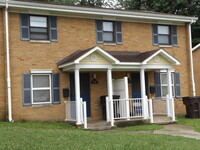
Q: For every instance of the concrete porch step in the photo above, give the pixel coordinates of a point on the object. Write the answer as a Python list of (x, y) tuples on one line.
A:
[(97, 123), (100, 128), (162, 119)]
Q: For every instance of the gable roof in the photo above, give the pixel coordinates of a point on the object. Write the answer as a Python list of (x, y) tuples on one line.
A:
[(196, 47), (118, 56)]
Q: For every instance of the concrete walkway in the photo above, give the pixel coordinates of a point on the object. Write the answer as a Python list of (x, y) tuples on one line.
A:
[(171, 129)]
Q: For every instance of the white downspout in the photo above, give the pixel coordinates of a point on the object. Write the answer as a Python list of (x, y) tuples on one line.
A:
[(191, 61), (8, 65)]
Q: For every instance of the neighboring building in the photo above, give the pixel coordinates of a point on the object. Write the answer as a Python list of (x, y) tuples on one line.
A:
[(196, 55), (49, 43)]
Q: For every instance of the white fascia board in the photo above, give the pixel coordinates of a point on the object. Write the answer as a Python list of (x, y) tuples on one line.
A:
[(66, 65), (97, 48), (196, 47), (102, 12), (155, 67), (165, 54), (41, 71), (129, 63)]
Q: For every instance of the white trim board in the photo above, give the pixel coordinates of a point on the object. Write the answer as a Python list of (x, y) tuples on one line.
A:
[(196, 47), (97, 11)]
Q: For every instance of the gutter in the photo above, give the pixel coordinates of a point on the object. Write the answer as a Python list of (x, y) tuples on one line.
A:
[(98, 11), (191, 60), (8, 64)]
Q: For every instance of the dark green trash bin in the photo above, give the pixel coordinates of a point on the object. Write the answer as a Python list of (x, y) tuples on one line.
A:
[(192, 106)]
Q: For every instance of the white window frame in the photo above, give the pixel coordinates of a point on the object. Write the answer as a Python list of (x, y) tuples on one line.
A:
[(169, 35), (104, 31), (41, 88), (166, 85)]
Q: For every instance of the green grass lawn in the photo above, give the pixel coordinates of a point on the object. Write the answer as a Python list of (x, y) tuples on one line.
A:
[(190, 122), (26, 136), (146, 127)]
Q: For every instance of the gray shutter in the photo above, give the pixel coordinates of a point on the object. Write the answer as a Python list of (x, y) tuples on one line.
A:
[(118, 32), (177, 84), (56, 88), (26, 89), (157, 84), (53, 28), (25, 34), (174, 37), (99, 29), (155, 34)]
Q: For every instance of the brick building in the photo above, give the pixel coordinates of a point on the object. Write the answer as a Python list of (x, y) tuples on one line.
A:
[(51, 47)]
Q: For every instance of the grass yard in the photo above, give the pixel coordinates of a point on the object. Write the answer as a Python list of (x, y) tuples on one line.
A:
[(26, 136), (190, 122)]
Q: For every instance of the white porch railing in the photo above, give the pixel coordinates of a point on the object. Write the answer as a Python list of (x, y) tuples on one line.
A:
[(129, 108), (170, 107), (70, 110), (120, 107)]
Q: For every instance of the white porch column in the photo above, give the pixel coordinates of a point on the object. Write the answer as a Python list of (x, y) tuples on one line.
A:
[(143, 93), (169, 83), (77, 94), (110, 95), (170, 100)]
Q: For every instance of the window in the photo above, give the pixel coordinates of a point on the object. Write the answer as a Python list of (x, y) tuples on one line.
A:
[(109, 32), (165, 35), (38, 27), (164, 85), (161, 84), (41, 88)]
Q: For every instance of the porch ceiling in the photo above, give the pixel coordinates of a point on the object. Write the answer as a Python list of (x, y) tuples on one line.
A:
[(96, 58)]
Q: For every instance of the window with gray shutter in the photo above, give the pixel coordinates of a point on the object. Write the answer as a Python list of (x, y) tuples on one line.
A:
[(174, 37), (56, 88), (25, 27), (162, 85), (155, 34), (118, 32), (53, 28), (177, 84), (157, 84), (35, 27), (99, 28), (26, 89), (165, 35), (109, 32)]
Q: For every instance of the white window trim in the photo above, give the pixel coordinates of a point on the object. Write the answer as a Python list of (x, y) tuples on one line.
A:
[(41, 88), (166, 85)]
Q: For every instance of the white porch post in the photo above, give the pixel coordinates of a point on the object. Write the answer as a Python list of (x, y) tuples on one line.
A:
[(143, 92), (170, 101), (77, 93), (110, 95)]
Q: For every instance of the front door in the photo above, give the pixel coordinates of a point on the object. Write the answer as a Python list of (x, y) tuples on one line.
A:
[(84, 89), (135, 82)]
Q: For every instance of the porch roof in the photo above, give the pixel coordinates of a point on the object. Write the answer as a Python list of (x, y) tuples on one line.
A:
[(117, 57), (122, 56)]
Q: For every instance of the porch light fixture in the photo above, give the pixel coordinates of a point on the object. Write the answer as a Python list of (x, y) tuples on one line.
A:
[(94, 80)]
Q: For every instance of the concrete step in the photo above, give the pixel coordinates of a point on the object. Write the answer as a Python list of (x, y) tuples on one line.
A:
[(160, 119), (98, 123), (100, 128)]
